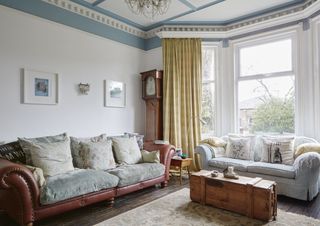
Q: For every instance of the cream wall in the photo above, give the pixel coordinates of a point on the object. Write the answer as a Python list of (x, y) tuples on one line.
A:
[(30, 42)]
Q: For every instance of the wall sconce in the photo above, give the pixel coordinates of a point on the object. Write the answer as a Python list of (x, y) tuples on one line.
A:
[(84, 88)]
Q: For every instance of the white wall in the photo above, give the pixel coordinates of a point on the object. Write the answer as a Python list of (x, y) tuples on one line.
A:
[(153, 59), (30, 42)]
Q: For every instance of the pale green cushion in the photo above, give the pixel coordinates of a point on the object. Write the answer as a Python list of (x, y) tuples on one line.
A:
[(76, 148), (97, 155), (44, 140), (132, 174), (126, 150), (150, 156), (53, 158), (75, 183)]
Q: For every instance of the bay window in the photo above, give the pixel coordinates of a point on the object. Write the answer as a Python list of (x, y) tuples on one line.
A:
[(266, 87)]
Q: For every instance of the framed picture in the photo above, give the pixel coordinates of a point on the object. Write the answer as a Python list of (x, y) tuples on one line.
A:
[(115, 94), (40, 87)]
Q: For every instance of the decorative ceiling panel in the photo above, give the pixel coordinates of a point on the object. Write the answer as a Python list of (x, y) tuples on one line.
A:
[(233, 10), (120, 8)]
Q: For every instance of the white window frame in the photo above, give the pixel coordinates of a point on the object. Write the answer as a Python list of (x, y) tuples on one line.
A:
[(259, 40), (316, 73), (216, 47)]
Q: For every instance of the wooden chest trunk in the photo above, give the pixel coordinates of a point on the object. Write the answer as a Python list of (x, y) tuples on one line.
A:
[(253, 197)]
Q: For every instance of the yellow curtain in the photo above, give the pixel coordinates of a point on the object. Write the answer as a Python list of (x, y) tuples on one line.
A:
[(182, 90)]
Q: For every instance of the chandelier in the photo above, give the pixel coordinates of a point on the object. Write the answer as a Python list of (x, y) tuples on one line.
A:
[(148, 8)]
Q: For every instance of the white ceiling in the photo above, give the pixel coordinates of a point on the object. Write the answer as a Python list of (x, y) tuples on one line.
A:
[(188, 11)]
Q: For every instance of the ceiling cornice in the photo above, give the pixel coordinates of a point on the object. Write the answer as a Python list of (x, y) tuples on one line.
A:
[(83, 18)]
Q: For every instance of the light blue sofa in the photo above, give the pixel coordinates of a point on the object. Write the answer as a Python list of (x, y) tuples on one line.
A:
[(300, 181)]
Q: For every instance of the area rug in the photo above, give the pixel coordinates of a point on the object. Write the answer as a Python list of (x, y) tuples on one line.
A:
[(177, 209)]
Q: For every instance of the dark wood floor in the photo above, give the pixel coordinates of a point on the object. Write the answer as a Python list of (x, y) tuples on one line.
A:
[(96, 213)]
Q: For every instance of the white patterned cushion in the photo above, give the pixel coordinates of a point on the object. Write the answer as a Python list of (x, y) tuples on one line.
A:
[(278, 150), (239, 148), (126, 150), (75, 148), (97, 155)]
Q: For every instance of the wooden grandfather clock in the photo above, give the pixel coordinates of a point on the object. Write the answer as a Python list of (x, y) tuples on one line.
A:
[(152, 94)]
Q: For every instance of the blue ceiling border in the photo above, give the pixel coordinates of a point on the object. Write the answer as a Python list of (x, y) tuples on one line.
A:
[(62, 16)]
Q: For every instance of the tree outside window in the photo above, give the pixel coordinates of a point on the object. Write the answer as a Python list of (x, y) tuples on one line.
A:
[(266, 88)]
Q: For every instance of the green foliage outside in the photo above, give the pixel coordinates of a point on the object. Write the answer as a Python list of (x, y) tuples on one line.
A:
[(207, 114), (207, 111), (275, 114)]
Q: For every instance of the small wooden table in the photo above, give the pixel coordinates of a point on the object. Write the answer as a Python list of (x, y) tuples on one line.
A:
[(181, 164), (253, 197)]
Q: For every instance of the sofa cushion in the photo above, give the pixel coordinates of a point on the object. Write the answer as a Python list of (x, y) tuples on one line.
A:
[(24, 142), (278, 170), (307, 147), (37, 174), (76, 148), (53, 157), (132, 174), (75, 183), (239, 148), (97, 155), (138, 137), (13, 152), (222, 163), (126, 150), (278, 150), (150, 156), (214, 142)]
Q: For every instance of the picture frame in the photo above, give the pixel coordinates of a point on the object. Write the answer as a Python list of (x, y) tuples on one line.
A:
[(40, 87), (115, 94)]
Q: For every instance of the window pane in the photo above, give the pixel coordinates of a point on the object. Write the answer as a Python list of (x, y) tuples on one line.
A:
[(207, 114), (267, 58), (208, 64), (267, 105)]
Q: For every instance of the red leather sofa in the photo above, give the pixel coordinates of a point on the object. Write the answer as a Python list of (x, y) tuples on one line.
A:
[(19, 192)]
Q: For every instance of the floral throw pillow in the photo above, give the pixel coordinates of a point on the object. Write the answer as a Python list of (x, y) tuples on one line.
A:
[(97, 155), (278, 151), (239, 148)]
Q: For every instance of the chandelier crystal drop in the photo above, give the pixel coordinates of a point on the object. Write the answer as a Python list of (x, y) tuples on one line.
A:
[(148, 8)]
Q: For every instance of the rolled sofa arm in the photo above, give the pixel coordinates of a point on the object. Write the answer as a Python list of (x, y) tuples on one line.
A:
[(205, 155), (19, 192), (166, 153), (307, 167)]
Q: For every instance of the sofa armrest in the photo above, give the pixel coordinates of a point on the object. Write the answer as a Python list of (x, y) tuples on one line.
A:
[(166, 153), (205, 155), (17, 184), (307, 167)]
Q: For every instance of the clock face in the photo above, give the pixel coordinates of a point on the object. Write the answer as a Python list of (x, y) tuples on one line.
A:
[(150, 86)]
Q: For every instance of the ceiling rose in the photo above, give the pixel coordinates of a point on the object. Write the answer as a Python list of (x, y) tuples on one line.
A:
[(148, 8)]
